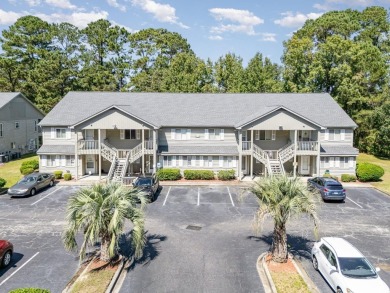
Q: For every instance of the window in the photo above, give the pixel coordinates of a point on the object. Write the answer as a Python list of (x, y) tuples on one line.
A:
[(51, 161), (13, 145), (189, 159), (265, 134), (180, 134), (35, 125), (69, 161), (1, 129), (228, 162), (335, 134), (17, 124), (214, 134), (60, 133), (131, 134)]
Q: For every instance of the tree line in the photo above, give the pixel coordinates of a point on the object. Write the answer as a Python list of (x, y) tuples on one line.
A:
[(343, 53)]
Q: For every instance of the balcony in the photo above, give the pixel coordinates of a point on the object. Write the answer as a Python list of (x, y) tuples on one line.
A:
[(88, 146), (246, 147), (307, 147)]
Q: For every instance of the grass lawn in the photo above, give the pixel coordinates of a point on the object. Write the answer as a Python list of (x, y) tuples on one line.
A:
[(289, 282), (94, 282), (383, 185), (10, 170)]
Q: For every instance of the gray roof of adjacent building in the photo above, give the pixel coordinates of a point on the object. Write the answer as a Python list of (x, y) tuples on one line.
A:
[(5, 98), (338, 150), (197, 110), (47, 149)]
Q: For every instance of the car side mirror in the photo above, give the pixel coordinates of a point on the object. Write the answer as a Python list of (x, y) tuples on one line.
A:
[(333, 269), (378, 269)]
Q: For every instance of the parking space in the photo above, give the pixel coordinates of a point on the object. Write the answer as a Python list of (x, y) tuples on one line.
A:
[(34, 226)]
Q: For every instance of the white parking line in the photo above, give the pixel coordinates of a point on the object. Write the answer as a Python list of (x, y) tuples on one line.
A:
[(230, 196), (19, 268), (355, 202), (198, 196), (167, 195), (46, 195)]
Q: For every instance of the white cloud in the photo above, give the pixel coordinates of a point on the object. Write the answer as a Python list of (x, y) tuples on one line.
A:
[(268, 37), (244, 21), (215, 38), (129, 29), (114, 3), (79, 19), (33, 2), (9, 17), (64, 4), (290, 19), (328, 5), (161, 12)]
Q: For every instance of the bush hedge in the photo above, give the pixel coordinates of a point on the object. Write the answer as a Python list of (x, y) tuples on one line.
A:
[(198, 174), (168, 174), (67, 176), (226, 175), (327, 175), (2, 182), (29, 166), (29, 290), (57, 174), (348, 178), (369, 172)]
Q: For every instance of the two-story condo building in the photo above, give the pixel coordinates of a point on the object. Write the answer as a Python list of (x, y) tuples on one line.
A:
[(117, 134), (19, 131)]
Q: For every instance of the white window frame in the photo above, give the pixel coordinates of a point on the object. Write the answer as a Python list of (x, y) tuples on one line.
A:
[(35, 125), (69, 160), (257, 135), (137, 134), (1, 129), (54, 132), (17, 124), (268, 135)]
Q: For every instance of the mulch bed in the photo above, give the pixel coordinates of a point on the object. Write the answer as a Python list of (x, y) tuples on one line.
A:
[(276, 267)]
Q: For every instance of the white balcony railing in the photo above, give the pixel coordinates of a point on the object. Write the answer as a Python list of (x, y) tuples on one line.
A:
[(307, 146), (246, 145), (88, 144)]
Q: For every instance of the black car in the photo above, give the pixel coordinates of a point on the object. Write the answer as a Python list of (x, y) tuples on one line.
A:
[(149, 184), (329, 188)]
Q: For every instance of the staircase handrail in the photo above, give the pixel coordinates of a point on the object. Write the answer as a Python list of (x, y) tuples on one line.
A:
[(110, 145), (286, 153), (123, 173), (111, 151), (112, 168), (134, 152), (260, 154)]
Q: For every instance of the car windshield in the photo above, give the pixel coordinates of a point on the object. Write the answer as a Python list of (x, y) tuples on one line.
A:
[(28, 179), (143, 182), (356, 267), (334, 187)]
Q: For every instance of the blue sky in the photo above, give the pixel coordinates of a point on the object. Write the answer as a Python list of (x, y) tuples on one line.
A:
[(212, 27)]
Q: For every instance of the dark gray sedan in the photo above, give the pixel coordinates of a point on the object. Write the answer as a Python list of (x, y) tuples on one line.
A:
[(31, 183), (329, 188)]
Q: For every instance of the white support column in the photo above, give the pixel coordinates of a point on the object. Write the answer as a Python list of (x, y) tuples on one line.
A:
[(239, 154), (318, 152), (100, 154), (76, 156), (252, 153), (143, 152), (295, 152), (155, 150)]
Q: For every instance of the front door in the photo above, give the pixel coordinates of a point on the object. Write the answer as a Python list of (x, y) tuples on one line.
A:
[(244, 165), (305, 165), (90, 164)]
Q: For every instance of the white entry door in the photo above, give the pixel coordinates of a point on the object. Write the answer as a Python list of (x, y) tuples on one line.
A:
[(90, 164), (244, 165), (304, 168)]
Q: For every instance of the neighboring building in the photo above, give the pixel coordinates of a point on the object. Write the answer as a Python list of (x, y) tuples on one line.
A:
[(254, 134), (19, 131)]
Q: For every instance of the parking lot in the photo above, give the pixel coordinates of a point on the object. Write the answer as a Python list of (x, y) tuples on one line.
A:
[(200, 239)]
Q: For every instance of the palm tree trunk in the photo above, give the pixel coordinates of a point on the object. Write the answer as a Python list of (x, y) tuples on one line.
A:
[(104, 255), (279, 244)]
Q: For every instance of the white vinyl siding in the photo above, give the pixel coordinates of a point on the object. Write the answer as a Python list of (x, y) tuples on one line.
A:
[(265, 134), (334, 134), (180, 134), (337, 162), (214, 134), (192, 161), (60, 133)]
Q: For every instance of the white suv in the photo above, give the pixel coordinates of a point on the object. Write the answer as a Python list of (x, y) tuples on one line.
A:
[(345, 268)]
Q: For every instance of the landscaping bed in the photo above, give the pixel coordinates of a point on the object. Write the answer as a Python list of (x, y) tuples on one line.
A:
[(286, 277), (384, 184)]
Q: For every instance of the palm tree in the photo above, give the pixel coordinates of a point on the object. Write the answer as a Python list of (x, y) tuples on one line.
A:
[(281, 198), (99, 211)]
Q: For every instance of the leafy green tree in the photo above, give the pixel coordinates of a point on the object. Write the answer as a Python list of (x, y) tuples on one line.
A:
[(229, 74), (262, 76), (99, 212), (346, 54), (380, 122), (282, 198)]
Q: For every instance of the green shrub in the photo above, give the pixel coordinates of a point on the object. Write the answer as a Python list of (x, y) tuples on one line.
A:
[(67, 176), (369, 172), (348, 178), (226, 175), (2, 182), (26, 170), (198, 174), (327, 175), (57, 174), (168, 174), (29, 166), (29, 290)]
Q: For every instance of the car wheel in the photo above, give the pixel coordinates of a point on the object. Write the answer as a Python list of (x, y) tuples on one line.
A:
[(339, 290), (6, 258), (315, 263), (32, 192), (51, 183)]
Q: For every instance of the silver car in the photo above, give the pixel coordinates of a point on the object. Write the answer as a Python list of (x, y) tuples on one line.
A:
[(31, 183)]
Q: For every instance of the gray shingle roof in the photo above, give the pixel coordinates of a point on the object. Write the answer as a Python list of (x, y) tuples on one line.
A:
[(196, 110), (5, 98), (199, 150), (338, 150), (56, 149)]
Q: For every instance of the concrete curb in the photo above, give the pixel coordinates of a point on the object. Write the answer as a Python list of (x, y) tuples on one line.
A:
[(122, 275), (68, 287), (203, 183), (113, 283), (381, 191), (264, 274), (310, 284)]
